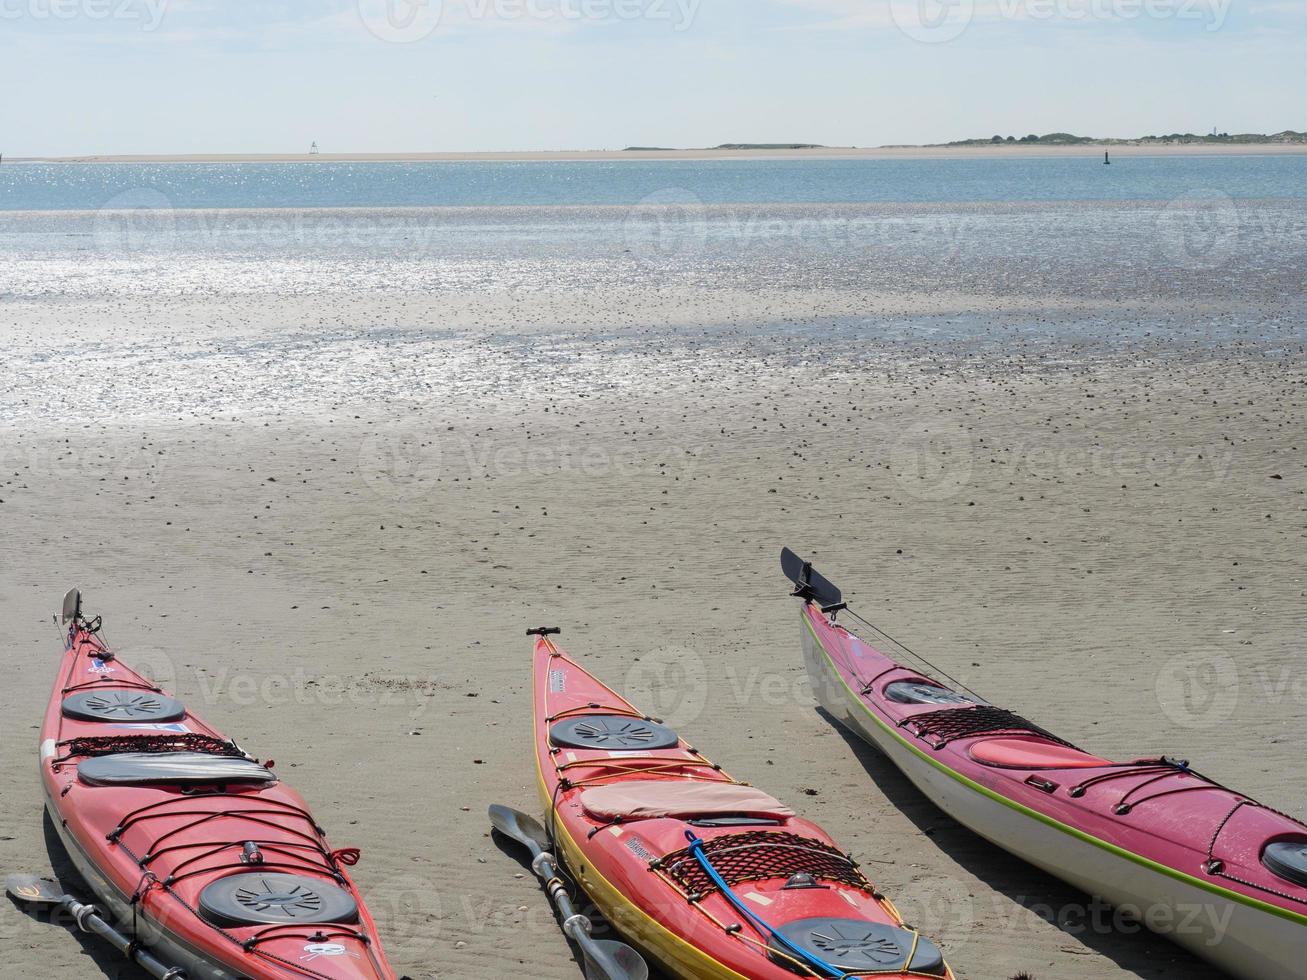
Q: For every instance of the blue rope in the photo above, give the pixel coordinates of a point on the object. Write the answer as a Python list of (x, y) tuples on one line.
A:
[(696, 849)]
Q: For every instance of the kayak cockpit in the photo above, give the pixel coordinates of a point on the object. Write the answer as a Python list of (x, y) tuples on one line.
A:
[(649, 799), (170, 769), (1032, 753)]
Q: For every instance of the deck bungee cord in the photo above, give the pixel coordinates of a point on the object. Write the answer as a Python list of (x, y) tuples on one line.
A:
[(612, 769), (1149, 831), (904, 647), (311, 856), (940, 728), (767, 854), (620, 789), (190, 842), (795, 951)]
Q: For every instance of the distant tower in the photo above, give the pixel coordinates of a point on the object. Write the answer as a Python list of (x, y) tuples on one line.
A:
[(313, 150), (1107, 157)]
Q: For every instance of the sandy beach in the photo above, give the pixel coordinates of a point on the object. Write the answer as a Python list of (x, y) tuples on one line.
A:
[(341, 578), (345, 344)]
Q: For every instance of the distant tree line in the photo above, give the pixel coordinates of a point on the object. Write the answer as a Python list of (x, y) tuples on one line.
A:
[(1065, 139)]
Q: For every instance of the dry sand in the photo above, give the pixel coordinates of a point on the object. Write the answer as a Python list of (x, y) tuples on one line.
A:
[(346, 588)]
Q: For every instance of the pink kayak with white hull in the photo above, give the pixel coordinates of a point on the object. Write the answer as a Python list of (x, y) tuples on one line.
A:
[(1212, 869)]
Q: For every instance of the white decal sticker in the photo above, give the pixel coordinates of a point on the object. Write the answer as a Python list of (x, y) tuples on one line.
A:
[(314, 950)]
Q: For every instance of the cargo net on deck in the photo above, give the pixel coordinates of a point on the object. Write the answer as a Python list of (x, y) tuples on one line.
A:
[(169, 742), (950, 724), (758, 856)]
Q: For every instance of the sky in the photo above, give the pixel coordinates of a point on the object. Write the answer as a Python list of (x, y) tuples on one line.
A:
[(274, 76)]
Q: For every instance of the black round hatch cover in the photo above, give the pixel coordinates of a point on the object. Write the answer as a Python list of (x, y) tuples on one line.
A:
[(616, 733), (857, 946), (119, 705), (1288, 860), (916, 692), (275, 899)]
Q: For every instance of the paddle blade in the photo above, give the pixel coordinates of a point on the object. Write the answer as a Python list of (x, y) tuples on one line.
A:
[(805, 577), (520, 827), (72, 606), (31, 890), (606, 959)]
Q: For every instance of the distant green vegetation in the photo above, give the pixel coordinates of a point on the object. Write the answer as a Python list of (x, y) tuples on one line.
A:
[(1068, 139), (1048, 139)]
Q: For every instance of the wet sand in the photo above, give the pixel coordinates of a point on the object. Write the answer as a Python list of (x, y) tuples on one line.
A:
[(331, 545)]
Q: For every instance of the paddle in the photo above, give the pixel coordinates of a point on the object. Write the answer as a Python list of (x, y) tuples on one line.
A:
[(605, 959), (809, 583), (43, 893)]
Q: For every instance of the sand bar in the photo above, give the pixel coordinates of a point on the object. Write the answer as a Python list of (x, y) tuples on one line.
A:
[(825, 153)]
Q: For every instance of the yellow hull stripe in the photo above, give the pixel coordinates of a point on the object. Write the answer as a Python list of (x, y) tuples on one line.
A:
[(679, 957), (1044, 818)]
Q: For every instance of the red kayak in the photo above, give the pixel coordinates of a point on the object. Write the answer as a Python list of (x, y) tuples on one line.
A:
[(195, 848), (714, 879), (1212, 869)]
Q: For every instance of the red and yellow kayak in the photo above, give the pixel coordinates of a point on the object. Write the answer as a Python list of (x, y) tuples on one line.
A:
[(193, 846), (709, 876)]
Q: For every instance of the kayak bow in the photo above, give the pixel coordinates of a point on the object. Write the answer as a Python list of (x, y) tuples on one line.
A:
[(194, 848), (1213, 870), (712, 878)]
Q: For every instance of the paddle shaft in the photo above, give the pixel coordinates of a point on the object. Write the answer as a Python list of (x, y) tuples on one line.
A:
[(575, 925), (546, 868), (89, 920)]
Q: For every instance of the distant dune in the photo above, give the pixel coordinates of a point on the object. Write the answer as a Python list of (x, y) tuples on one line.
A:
[(1288, 137)]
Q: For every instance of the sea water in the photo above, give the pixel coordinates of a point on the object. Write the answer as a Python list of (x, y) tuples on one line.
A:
[(55, 186)]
